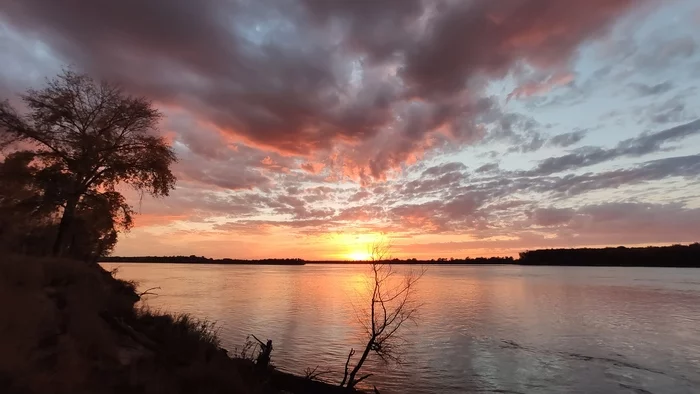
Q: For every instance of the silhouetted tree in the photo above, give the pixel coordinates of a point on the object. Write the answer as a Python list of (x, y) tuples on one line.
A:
[(30, 198), (28, 204), (93, 136), (392, 304)]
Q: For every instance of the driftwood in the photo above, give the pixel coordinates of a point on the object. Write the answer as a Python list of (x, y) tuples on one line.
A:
[(263, 360), (149, 292)]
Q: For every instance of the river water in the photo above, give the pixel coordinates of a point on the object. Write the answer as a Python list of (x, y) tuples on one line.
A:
[(480, 329)]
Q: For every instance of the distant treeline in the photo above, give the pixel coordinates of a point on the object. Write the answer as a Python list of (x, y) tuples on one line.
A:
[(652, 256), (198, 260), (441, 260), (661, 256)]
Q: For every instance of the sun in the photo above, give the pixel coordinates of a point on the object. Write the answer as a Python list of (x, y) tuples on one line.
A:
[(358, 255)]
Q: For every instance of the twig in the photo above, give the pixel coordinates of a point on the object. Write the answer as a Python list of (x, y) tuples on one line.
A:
[(148, 292), (345, 375), (363, 378), (259, 341), (312, 374)]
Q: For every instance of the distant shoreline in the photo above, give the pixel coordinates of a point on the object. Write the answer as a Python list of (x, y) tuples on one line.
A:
[(675, 256), (198, 260)]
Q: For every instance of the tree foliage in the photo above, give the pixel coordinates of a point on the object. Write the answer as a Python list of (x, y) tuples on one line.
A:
[(76, 142)]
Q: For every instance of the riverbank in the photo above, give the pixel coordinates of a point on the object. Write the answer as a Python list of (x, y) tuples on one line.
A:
[(198, 260), (69, 327), (674, 256)]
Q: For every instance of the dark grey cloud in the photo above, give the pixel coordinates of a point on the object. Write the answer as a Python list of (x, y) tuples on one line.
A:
[(486, 168), (370, 26), (425, 186), (567, 139), (308, 76), (672, 110), (642, 89), (192, 168), (684, 166), (551, 216), (444, 169), (473, 37), (644, 144), (523, 133)]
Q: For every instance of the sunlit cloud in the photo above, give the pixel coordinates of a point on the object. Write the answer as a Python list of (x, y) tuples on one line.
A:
[(309, 128)]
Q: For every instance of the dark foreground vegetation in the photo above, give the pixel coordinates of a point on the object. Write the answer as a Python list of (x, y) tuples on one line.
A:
[(70, 327), (67, 325), (64, 158)]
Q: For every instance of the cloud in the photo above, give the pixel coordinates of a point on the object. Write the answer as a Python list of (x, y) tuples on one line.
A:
[(534, 88), (489, 37), (307, 118), (551, 216), (684, 166), (643, 89), (660, 52), (311, 77), (672, 110), (424, 186), (622, 222), (644, 144), (593, 225), (486, 168), (359, 196), (567, 139), (443, 169)]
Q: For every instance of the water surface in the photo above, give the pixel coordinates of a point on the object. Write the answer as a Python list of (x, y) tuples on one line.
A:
[(481, 329)]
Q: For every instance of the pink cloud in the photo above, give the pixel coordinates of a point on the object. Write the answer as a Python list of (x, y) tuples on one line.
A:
[(299, 95), (541, 87)]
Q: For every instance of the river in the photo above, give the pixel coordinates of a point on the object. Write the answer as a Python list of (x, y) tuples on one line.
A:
[(480, 329)]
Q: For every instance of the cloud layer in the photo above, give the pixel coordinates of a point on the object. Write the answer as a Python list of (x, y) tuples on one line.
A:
[(415, 118)]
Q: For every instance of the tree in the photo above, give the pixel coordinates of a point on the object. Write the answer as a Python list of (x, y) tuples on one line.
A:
[(30, 201), (392, 304), (95, 136)]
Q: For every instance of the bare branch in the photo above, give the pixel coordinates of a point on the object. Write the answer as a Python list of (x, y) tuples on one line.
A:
[(363, 378), (391, 305), (314, 374), (345, 375), (148, 292), (259, 341)]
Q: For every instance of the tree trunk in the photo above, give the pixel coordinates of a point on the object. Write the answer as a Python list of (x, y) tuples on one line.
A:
[(351, 380), (65, 225)]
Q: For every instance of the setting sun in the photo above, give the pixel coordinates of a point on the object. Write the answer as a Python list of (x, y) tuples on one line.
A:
[(358, 255)]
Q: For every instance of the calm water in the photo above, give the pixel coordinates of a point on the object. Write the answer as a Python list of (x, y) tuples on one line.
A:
[(482, 329)]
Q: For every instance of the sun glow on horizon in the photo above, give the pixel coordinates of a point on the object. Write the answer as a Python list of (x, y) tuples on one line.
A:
[(358, 255)]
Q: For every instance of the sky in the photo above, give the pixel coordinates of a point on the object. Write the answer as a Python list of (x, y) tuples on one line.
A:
[(450, 128)]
